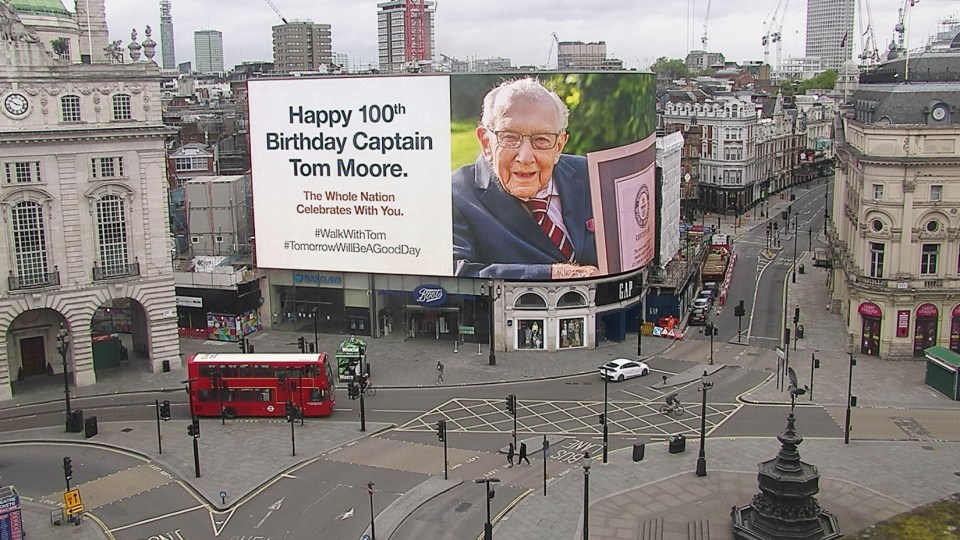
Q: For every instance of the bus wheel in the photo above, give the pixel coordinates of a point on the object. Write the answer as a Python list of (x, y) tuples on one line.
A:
[(229, 412)]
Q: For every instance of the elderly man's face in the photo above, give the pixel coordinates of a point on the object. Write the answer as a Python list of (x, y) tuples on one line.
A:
[(525, 170)]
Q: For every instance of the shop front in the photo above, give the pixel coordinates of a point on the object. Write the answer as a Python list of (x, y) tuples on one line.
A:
[(617, 305), (872, 317), (219, 314), (319, 302), (547, 318), (431, 308), (955, 329), (925, 329)]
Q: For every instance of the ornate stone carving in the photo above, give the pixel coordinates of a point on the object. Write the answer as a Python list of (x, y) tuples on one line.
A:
[(149, 45), (909, 186), (134, 46), (12, 28)]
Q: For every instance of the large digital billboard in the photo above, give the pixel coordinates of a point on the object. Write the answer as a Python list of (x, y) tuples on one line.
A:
[(513, 176)]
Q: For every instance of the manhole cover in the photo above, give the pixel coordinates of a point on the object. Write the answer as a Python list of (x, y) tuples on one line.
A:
[(463, 506), (127, 430)]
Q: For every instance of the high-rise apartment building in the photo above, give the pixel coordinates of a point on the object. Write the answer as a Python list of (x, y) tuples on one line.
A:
[(301, 46), (169, 57), (208, 48), (830, 31), (401, 34)]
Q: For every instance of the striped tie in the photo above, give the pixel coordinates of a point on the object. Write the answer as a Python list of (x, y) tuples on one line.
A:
[(538, 207)]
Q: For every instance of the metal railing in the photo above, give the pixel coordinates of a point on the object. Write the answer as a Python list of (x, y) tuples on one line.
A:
[(116, 271), (34, 281)]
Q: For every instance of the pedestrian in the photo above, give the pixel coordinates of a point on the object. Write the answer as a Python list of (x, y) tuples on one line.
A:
[(523, 453), (439, 372), (510, 455)]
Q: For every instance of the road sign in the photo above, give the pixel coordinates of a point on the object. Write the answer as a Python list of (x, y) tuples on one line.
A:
[(781, 353), (71, 499)]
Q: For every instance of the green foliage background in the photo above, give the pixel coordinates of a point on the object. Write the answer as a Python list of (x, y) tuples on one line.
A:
[(607, 109)]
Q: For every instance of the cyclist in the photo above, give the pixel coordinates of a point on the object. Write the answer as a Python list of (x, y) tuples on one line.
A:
[(672, 401)]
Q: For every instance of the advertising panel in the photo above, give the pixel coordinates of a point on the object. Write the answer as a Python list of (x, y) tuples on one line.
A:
[(475, 175)]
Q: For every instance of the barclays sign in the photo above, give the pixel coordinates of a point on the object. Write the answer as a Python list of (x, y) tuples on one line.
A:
[(430, 295), (318, 279)]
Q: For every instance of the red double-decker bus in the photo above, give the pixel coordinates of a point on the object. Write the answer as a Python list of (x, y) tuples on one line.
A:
[(260, 384)]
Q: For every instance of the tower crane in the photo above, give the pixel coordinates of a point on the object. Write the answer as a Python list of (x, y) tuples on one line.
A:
[(554, 40), (870, 55), (774, 26), (901, 26), (706, 17), (277, 11)]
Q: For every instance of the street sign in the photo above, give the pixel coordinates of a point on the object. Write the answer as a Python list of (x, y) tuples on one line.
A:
[(71, 499), (781, 353)]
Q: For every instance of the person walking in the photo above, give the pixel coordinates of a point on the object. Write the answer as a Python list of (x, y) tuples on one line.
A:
[(510, 455), (523, 453), (439, 372)]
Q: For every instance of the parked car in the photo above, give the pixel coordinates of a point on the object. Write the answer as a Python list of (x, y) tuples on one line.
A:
[(701, 303), (624, 368), (711, 286), (698, 317), (709, 294)]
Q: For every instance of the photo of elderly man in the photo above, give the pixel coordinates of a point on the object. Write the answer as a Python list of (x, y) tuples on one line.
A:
[(522, 210)]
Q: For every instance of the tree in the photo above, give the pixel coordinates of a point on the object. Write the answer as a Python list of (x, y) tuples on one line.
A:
[(61, 47), (824, 80), (672, 68)]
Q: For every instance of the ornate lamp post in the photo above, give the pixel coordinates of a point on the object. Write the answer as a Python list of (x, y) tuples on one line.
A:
[(492, 298), (62, 346), (702, 456)]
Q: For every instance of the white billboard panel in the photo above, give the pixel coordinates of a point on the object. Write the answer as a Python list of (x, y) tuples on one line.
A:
[(352, 174)]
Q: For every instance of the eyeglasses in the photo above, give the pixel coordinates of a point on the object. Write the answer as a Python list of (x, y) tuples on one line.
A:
[(540, 141)]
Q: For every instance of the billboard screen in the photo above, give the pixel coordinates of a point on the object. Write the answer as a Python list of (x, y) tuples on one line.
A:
[(551, 179)]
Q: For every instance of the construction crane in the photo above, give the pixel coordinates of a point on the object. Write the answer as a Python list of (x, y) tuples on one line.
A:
[(277, 11), (554, 40), (901, 26), (416, 46), (774, 26), (870, 54), (706, 17)]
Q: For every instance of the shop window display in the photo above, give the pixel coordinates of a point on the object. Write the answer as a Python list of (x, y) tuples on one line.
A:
[(530, 334)]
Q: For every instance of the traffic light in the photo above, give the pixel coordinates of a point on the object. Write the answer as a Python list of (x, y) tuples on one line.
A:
[(442, 430), (302, 344), (853, 401), (816, 363), (193, 429), (796, 315), (291, 413), (243, 344), (775, 225), (739, 310), (602, 419), (512, 404), (165, 410), (353, 390), (67, 468)]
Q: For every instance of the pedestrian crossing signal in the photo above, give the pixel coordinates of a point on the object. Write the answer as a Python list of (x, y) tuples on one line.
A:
[(442, 430)]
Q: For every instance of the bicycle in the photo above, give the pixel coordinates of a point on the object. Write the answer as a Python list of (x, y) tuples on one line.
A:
[(371, 390), (672, 405)]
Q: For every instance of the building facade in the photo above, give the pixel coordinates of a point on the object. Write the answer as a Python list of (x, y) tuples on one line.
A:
[(302, 46), (830, 33), (208, 48), (83, 196), (894, 234), (589, 56), (396, 30), (167, 49)]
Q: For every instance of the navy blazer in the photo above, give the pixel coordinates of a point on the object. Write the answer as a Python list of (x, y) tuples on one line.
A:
[(495, 236)]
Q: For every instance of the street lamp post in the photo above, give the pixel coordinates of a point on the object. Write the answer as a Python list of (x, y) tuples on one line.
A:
[(702, 456), (373, 530), (796, 231), (488, 526), (850, 401), (483, 292), (316, 330), (606, 381), (586, 495), (62, 346)]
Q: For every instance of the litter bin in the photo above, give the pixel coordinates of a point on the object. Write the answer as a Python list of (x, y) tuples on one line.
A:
[(638, 450), (799, 331), (90, 427), (800, 269), (75, 425), (166, 366), (678, 443)]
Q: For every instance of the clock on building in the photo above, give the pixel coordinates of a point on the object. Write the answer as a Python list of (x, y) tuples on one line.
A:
[(16, 104), (939, 112)]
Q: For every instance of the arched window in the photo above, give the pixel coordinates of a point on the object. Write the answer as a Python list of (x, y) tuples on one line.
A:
[(571, 299), (70, 108), (121, 107), (112, 236), (29, 243), (530, 301)]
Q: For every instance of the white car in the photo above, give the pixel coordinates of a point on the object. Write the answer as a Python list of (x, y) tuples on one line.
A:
[(701, 303), (623, 368)]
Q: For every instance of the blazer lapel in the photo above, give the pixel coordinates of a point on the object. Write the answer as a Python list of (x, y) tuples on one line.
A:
[(510, 211), (573, 197)]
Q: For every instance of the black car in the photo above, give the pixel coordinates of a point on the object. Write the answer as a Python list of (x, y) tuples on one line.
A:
[(698, 317)]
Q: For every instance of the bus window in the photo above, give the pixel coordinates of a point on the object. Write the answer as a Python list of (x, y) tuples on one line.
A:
[(246, 394), (205, 370), (317, 394), (263, 395), (246, 370), (203, 395)]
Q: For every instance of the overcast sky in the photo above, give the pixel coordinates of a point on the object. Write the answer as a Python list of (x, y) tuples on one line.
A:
[(636, 31)]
